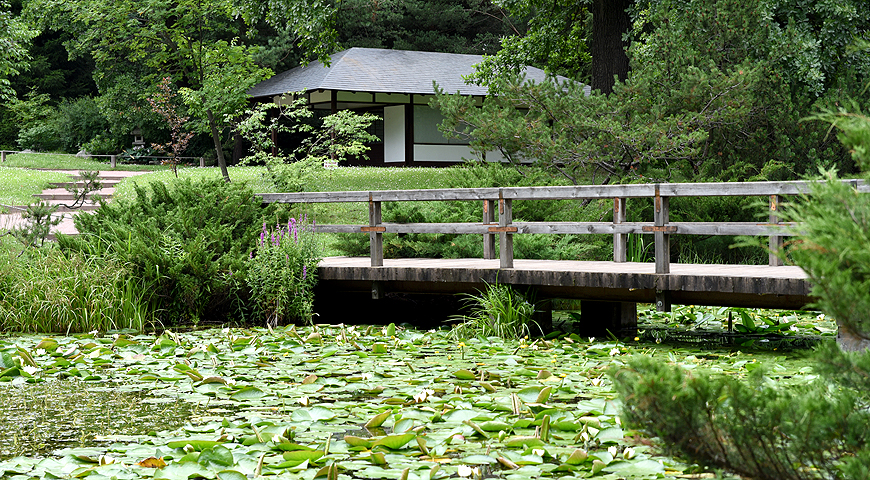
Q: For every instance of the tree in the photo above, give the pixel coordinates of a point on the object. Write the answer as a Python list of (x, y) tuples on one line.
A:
[(813, 431), (202, 44), (451, 26), (14, 37), (716, 91)]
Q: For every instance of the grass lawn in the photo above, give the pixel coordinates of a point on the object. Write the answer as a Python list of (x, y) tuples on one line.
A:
[(17, 185), (61, 161)]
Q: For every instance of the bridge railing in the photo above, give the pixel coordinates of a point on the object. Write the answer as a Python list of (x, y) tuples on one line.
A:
[(500, 200)]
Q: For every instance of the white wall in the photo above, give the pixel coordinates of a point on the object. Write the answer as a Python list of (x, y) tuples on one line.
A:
[(394, 134)]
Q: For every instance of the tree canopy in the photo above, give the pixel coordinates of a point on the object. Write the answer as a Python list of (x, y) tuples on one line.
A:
[(14, 37), (716, 90)]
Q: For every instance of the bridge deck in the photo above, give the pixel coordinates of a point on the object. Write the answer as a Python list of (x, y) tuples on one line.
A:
[(691, 284)]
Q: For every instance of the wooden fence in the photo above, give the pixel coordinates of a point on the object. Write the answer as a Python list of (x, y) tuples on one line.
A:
[(505, 228)]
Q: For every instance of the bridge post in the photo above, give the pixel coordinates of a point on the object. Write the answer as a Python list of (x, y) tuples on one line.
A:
[(505, 237), (775, 241), (3, 156), (663, 240), (620, 240), (488, 238), (376, 235)]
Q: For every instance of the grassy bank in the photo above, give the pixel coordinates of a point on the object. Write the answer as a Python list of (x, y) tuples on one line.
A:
[(60, 161)]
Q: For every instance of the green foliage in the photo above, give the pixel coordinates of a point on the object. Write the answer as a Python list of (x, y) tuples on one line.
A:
[(338, 137), (283, 271), (833, 244), (454, 26), (751, 427), (497, 311), (45, 291), (188, 242), (551, 35), (202, 45), (715, 92), (14, 37)]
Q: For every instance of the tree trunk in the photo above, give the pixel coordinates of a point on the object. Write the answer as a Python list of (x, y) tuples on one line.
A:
[(610, 21), (219, 149)]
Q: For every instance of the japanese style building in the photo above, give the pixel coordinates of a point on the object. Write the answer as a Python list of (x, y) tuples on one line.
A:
[(396, 85)]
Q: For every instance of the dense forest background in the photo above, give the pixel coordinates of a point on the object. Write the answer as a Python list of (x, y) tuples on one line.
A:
[(683, 89)]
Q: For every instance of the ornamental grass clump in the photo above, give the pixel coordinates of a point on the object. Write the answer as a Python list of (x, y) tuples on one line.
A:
[(497, 311), (282, 272)]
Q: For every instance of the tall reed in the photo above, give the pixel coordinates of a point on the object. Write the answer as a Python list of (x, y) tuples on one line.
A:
[(45, 291)]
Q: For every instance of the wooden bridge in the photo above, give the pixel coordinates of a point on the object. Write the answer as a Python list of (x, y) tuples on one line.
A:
[(609, 290)]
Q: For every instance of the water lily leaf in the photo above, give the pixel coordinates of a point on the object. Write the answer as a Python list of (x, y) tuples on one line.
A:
[(197, 445), (248, 393), (183, 471), (544, 395), (524, 441), (460, 415), (208, 380), (152, 462), (378, 458), (530, 394), (464, 374), (11, 372), (358, 442), (379, 348), (26, 358), (6, 361), (597, 466), (611, 434), (636, 468), (312, 414), (494, 426), (47, 344), (403, 425), (217, 455), (231, 475), (577, 457), (379, 419), (309, 379), (296, 457), (395, 442), (479, 460)]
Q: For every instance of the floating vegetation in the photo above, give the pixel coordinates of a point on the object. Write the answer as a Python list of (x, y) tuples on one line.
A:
[(334, 401)]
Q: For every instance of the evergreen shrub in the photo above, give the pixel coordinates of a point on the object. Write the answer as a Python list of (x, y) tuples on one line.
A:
[(189, 242)]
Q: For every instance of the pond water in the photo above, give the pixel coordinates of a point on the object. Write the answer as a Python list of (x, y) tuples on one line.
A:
[(37, 419)]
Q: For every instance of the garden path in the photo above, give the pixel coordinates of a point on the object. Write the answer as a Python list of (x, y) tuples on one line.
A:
[(58, 195)]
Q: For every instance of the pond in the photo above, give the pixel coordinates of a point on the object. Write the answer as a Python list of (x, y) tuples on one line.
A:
[(333, 401)]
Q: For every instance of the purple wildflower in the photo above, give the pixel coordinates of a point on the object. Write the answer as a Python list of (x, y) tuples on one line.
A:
[(304, 271), (263, 235)]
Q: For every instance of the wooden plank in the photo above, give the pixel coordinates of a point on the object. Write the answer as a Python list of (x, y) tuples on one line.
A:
[(662, 240), (488, 239), (620, 240), (505, 239), (556, 192), (376, 238), (572, 228)]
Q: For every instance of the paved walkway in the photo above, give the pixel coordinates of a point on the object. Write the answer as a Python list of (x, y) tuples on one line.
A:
[(59, 195)]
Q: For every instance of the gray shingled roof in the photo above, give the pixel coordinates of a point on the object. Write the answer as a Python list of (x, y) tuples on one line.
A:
[(386, 71)]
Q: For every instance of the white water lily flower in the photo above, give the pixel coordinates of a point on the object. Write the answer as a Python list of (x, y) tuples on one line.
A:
[(39, 351), (614, 351), (628, 454), (612, 451), (466, 471), (30, 369)]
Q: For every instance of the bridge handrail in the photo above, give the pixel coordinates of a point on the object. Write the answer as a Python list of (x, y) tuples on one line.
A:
[(505, 228)]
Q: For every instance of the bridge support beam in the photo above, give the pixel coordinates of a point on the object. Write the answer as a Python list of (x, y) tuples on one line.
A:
[(598, 319), (663, 301)]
